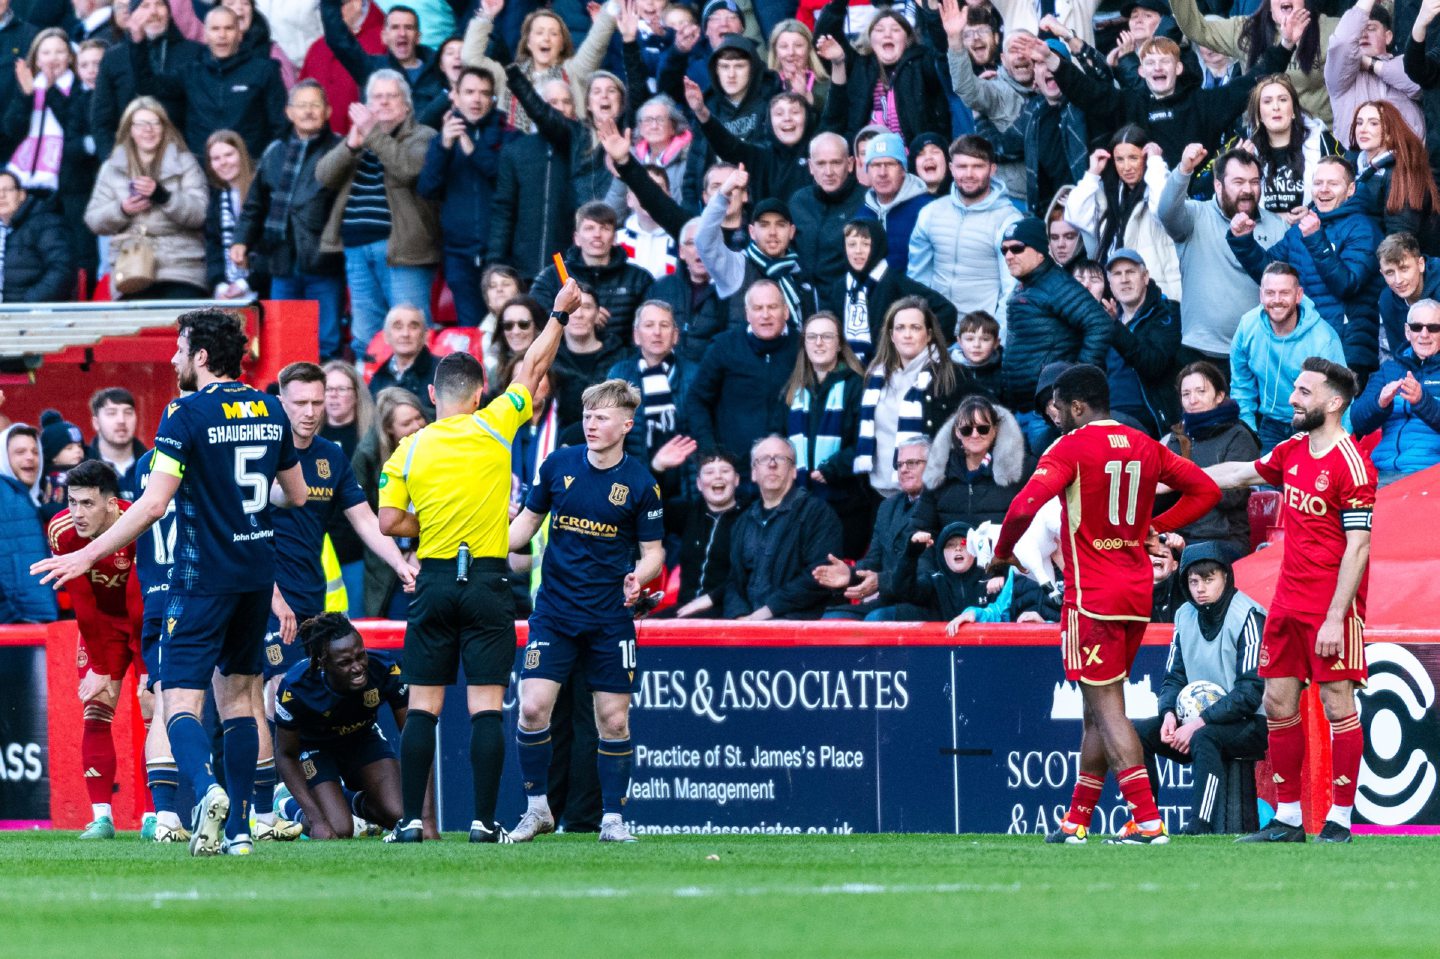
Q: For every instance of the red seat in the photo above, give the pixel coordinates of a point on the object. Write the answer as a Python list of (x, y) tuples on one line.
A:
[(102, 290), (456, 339), (375, 355), (442, 303), (1265, 516)]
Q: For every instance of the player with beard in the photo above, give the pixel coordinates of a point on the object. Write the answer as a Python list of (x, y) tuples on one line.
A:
[(1218, 291), (219, 450), (1315, 630), (1107, 474), (602, 503)]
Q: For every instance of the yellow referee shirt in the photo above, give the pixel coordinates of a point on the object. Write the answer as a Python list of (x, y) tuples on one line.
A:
[(456, 473)]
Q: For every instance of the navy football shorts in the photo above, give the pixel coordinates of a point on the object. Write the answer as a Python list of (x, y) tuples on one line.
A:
[(205, 633), (607, 650), (280, 656), (341, 761)]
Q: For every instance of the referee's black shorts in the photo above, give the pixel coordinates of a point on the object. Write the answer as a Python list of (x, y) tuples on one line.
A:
[(453, 623)]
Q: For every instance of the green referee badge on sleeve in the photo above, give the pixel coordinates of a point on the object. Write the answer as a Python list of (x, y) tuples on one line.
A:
[(384, 479), (515, 401)]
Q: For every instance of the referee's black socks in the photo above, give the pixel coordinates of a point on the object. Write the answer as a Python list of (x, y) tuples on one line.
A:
[(417, 757), (487, 761)]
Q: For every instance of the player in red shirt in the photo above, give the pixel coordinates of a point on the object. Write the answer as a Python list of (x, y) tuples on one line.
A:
[(1317, 619), (108, 610), (1107, 474)]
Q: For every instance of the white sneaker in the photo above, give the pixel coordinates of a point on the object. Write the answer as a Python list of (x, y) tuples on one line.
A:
[(164, 833), (615, 832), (281, 830), (241, 845), (207, 826), (532, 824)]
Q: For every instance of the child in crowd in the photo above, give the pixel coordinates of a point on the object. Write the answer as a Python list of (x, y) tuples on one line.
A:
[(977, 354)]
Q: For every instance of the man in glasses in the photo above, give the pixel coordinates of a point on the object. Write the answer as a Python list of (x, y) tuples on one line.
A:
[(1050, 317), (784, 535), (1402, 400), (411, 364)]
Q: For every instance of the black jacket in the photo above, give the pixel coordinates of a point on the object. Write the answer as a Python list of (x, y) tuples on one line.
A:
[(1188, 115), (924, 579), (117, 83), (217, 252), (575, 373), (1146, 351), (921, 103), (15, 39), (888, 545), (772, 554), (700, 314), (590, 178), (820, 220), (39, 265), (463, 185), (243, 93), (532, 213), (776, 170), (620, 286), (427, 85), (415, 378), (1050, 317), (953, 495), (1372, 186), (298, 250), (735, 397), (1223, 441), (704, 551)]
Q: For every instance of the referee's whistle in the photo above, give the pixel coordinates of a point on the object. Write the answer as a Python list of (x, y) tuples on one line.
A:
[(560, 268), (462, 563)]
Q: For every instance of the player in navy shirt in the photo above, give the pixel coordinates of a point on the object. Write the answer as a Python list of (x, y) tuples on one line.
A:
[(326, 735), (299, 576), (217, 452), (604, 506)]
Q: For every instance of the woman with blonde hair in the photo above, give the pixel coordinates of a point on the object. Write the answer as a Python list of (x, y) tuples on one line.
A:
[(230, 171), (151, 198), (794, 58), (398, 413)]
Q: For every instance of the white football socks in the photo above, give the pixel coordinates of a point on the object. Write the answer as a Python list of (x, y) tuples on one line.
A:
[(1340, 815), (99, 810), (1289, 813)]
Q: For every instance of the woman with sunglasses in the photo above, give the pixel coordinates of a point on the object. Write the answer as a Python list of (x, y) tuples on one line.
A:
[(977, 465), (520, 322), (1402, 400)]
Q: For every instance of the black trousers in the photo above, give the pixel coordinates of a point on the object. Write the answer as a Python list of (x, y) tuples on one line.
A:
[(1210, 748), (574, 790)]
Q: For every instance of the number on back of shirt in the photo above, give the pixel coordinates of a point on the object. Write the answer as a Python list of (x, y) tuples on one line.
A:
[(1123, 473), (252, 482)]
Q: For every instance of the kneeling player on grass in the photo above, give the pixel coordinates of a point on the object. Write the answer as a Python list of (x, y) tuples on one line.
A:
[(108, 608), (1107, 473), (1315, 630), (326, 737), (602, 503)]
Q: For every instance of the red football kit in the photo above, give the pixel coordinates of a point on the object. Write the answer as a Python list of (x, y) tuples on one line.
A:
[(109, 606), (1326, 495), (1107, 474)]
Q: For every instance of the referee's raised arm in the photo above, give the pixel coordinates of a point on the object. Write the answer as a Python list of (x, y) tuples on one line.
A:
[(542, 352)]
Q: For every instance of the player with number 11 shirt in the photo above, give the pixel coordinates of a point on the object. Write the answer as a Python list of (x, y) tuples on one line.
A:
[(1107, 474)]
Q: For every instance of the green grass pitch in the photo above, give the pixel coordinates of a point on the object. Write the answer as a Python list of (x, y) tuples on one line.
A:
[(899, 896)]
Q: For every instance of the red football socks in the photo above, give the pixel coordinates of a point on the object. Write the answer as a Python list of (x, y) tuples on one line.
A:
[(1135, 787), (1082, 802), (97, 751), (1347, 745), (1287, 755)]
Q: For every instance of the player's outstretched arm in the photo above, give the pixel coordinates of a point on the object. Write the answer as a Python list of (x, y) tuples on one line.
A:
[(1199, 493), (652, 564), (287, 763), (1234, 475), (542, 352), (523, 529), (367, 526), (291, 483), (146, 511)]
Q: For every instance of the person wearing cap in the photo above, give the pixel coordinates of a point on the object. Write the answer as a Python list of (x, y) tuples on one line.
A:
[(770, 254), (1216, 639), (1333, 246), (895, 197), (897, 83), (1361, 68), (1050, 317), (1144, 344), (955, 247)]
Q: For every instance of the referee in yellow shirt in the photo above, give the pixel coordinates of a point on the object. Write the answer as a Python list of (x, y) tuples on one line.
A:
[(455, 475)]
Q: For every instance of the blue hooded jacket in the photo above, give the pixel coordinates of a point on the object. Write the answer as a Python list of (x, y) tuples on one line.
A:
[(1409, 434), (1263, 366), (22, 598), (1394, 310), (1338, 272)]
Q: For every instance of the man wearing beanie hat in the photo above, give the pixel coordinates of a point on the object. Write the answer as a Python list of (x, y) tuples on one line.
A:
[(1050, 317), (895, 197), (62, 446), (1217, 639)]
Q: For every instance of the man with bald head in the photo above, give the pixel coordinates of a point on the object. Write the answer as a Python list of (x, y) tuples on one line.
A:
[(411, 364), (230, 86), (822, 208)]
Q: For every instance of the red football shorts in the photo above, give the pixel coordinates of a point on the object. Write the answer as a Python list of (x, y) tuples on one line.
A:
[(110, 653), (1098, 651), (1288, 648)]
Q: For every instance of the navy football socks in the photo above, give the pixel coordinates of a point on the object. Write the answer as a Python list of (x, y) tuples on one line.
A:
[(615, 758), (191, 747), (535, 749), (242, 752)]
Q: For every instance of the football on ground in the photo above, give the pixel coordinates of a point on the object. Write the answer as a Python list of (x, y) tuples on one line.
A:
[(901, 896)]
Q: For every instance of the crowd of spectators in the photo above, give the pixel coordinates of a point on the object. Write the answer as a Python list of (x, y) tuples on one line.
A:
[(843, 250)]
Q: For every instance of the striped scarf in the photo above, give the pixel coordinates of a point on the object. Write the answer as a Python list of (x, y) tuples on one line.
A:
[(858, 290), (784, 270), (912, 416), (657, 401), (277, 219), (234, 273), (812, 453)]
